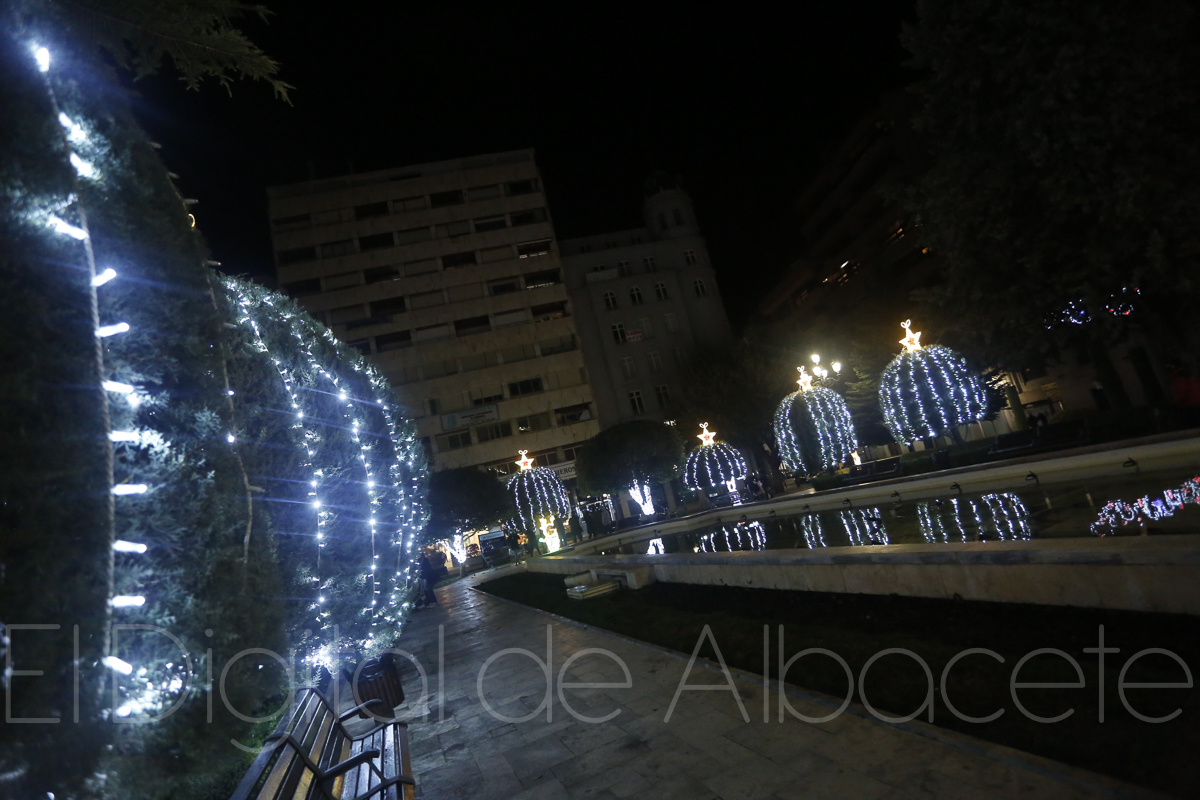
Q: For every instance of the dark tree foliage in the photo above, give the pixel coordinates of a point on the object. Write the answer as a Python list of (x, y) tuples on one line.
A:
[(631, 453), (860, 387), (466, 499), (1065, 139), (735, 389), (200, 37)]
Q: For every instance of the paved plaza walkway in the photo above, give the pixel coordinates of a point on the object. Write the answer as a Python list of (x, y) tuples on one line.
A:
[(706, 750)]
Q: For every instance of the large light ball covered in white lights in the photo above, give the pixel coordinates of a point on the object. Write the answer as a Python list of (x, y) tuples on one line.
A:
[(713, 464), (813, 429), (929, 391), (537, 492)]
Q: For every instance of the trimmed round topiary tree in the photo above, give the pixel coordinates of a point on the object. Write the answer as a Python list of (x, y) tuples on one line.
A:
[(928, 391), (813, 429)]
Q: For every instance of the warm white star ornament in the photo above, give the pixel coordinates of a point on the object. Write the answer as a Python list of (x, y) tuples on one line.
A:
[(525, 461), (911, 341), (706, 438), (805, 381)]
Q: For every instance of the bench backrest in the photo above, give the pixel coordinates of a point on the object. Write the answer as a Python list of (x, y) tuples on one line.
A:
[(309, 736)]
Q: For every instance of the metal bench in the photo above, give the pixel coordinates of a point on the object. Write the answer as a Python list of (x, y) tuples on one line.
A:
[(312, 755)]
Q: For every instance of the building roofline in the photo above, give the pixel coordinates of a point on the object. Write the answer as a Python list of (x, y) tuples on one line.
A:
[(401, 173)]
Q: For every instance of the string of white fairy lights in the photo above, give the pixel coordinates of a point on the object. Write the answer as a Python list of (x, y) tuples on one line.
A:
[(83, 146), (378, 485)]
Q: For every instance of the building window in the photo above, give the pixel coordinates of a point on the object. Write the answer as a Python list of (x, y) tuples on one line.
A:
[(504, 285), (636, 404), (442, 199), (484, 192), (393, 341), (610, 301), (624, 270), (699, 287), (662, 222), (533, 249), (586, 247), (302, 288), (343, 247), (680, 359), (535, 422), (490, 223), (569, 415), (379, 274), (647, 327), (558, 344), (648, 263), (678, 216), (472, 325), (528, 386), (662, 395), (371, 210), (453, 441), (530, 217), (655, 361), (660, 290), (549, 311), (536, 280), (689, 257), (361, 345), (618, 333), (627, 368), (459, 260), (494, 430), (459, 228), (378, 241), (385, 308), (297, 254), (414, 235), (514, 188), (669, 321), (635, 296), (481, 397)]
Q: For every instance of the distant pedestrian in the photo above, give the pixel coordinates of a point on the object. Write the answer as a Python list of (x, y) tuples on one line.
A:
[(428, 578)]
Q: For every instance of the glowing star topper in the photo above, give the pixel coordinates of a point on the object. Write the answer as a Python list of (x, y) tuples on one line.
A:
[(911, 341), (805, 381), (525, 462), (706, 438)]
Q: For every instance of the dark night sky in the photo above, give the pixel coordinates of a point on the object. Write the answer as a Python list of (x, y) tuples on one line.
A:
[(740, 102)]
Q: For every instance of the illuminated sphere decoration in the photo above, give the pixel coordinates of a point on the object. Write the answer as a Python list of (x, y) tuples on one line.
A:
[(813, 429), (713, 464), (928, 391), (537, 492)]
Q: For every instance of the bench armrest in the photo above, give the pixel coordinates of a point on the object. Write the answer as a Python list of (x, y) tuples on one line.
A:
[(356, 709), (350, 763)]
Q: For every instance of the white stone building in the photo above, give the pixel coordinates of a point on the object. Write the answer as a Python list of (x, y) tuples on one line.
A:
[(646, 301), (448, 276)]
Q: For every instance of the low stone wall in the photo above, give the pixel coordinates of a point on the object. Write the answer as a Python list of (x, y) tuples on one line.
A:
[(1134, 573)]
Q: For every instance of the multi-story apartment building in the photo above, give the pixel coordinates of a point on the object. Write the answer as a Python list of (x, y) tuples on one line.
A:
[(645, 301), (447, 275)]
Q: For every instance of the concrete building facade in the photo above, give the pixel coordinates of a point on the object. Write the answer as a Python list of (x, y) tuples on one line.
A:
[(448, 277), (646, 300)]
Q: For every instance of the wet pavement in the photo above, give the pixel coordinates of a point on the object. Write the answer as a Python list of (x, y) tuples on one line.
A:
[(523, 742)]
